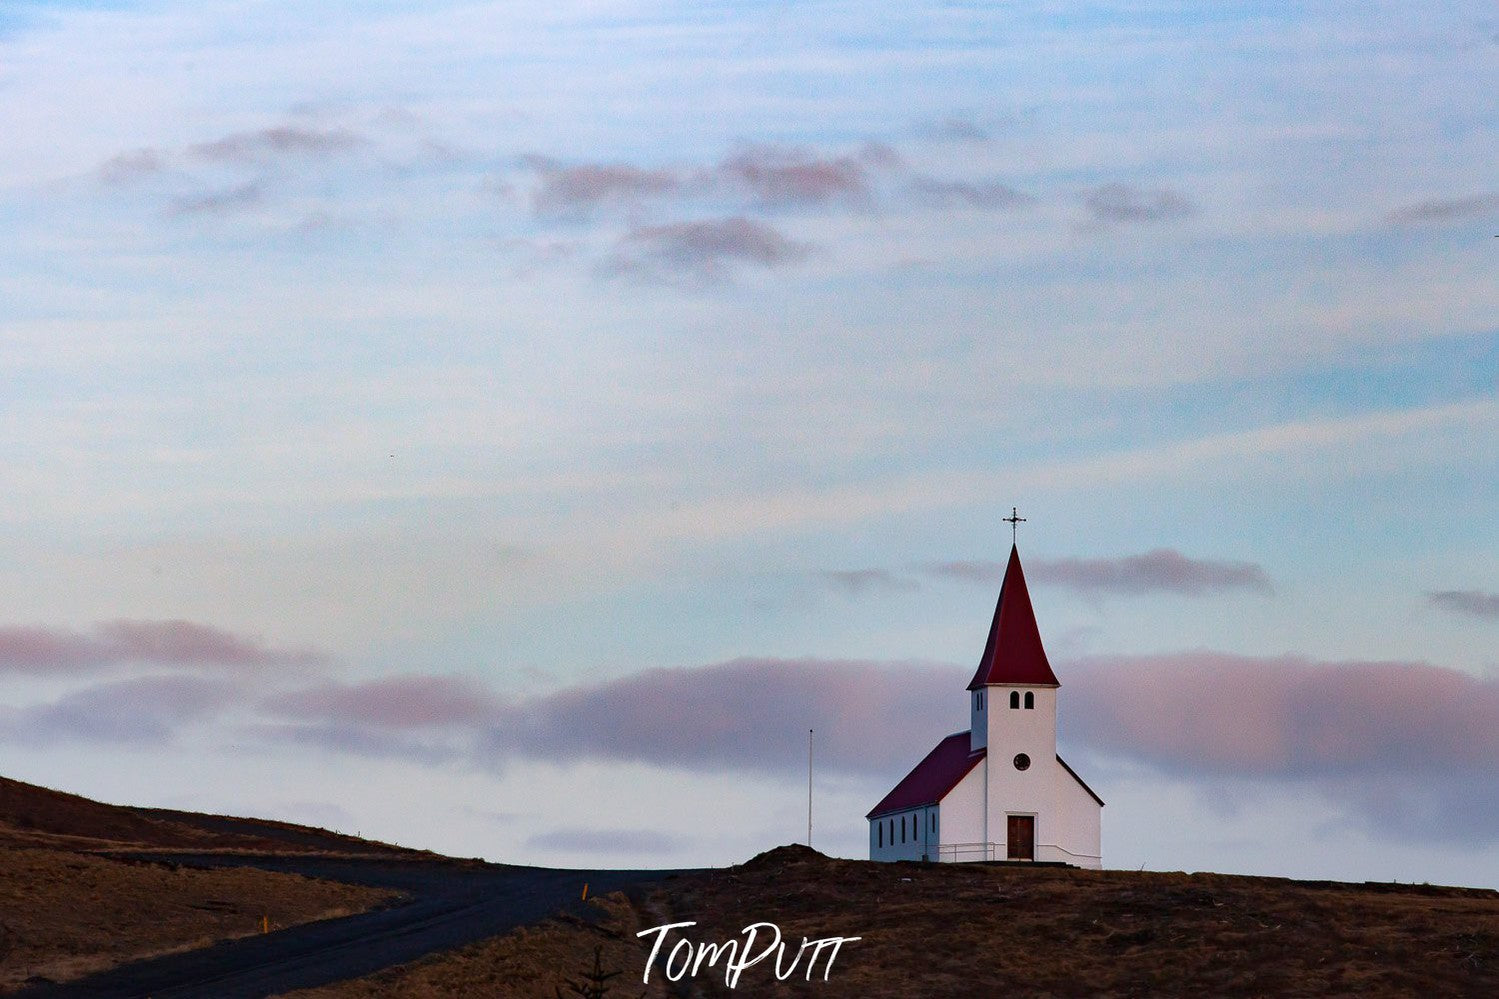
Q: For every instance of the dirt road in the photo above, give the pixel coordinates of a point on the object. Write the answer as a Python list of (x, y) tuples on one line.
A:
[(451, 904)]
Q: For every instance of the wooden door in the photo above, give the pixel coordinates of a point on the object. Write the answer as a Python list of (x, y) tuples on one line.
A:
[(1020, 837)]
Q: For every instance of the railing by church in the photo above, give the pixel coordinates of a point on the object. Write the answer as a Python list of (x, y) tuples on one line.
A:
[(952, 853)]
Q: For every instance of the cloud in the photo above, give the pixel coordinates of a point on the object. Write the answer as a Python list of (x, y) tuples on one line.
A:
[(184, 644), (133, 165), (1162, 570), (704, 248), (361, 738), (745, 715), (1373, 735), (278, 141), (1113, 203), (224, 201), (856, 581), (952, 129), (965, 570), (988, 195), (144, 710), (588, 840), (401, 702), (1444, 209), (1474, 603), (783, 178), (573, 189), (1406, 736)]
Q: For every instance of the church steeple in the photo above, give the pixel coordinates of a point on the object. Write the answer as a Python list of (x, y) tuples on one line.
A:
[(1014, 654)]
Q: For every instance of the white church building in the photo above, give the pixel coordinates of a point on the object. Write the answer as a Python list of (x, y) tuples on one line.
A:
[(998, 791)]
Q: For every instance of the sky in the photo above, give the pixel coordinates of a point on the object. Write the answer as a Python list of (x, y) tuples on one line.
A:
[(506, 429)]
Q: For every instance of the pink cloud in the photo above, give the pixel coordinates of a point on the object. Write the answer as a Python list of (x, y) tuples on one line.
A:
[(703, 249), (401, 702), (173, 643), (143, 710), (780, 178), (1215, 713), (746, 714), (566, 189), (279, 140), (1162, 570)]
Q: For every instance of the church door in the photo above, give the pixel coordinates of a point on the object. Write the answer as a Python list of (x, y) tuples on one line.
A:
[(1020, 837)]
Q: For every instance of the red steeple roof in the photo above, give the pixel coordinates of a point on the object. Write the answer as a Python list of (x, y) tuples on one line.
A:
[(1014, 654)]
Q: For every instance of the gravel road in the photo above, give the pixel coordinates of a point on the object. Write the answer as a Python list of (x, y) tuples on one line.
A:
[(452, 904)]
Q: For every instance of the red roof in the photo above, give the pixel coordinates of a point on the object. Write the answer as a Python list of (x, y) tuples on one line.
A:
[(931, 779), (1014, 654)]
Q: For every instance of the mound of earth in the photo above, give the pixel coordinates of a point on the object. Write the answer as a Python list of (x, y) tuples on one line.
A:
[(41, 817)]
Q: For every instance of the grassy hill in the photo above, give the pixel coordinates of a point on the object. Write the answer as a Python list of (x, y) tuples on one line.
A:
[(969, 930), (75, 897), (39, 816), (68, 907)]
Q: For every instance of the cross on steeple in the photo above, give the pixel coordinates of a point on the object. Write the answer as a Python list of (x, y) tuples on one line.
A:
[(1014, 519)]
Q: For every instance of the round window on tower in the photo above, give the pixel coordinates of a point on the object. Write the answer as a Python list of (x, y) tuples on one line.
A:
[(1022, 762)]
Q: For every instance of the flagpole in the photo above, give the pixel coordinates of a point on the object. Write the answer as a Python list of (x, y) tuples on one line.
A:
[(809, 788)]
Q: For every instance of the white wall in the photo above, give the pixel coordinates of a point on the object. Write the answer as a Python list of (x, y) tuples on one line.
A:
[(962, 811), (978, 720), (1028, 792), (921, 829), (1077, 832)]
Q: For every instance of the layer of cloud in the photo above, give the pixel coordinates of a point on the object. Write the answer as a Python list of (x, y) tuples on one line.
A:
[(278, 141), (742, 715), (1125, 203), (133, 165), (954, 128), (704, 249), (1379, 735), (856, 581), (1438, 210), (142, 711), (984, 195), (572, 189), (400, 702), (173, 643), (745, 714), (1473, 603), (1162, 570), (1376, 736), (777, 177), (223, 201)]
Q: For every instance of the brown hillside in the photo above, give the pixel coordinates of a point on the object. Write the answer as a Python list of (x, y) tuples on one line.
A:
[(966, 931), (65, 914), (38, 816)]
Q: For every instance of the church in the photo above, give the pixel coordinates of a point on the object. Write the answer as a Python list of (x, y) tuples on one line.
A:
[(998, 791)]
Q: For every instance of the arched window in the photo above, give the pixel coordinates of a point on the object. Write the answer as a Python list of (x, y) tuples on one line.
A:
[(879, 831), (902, 828), (933, 824), (1014, 699), (1030, 700), (892, 832)]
